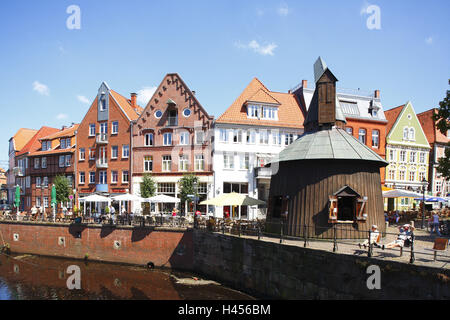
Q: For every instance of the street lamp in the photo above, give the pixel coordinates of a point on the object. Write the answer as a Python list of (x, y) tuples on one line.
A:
[(424, 185), (194, 184)]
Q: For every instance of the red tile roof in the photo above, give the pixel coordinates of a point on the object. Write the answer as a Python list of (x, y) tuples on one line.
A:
[(22, 137), (289, 112), (125, 104), (64, 133), (391, 116), (429, 127), (34, 144)]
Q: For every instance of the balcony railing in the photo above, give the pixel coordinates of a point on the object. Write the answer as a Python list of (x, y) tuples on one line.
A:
[(102, 163), (102, 138)]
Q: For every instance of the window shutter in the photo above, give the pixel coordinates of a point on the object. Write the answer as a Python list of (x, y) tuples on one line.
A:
[(361, 210), (332, 216)]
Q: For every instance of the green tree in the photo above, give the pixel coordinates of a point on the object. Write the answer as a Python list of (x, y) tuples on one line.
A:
[(63, 189), (187, 187), (442, 120), (148, 186)]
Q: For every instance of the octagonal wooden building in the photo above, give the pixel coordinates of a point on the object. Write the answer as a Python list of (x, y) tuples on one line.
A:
[(327, 177)]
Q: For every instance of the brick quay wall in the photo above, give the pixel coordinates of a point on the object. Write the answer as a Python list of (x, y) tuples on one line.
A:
[(164, 247), (280, 271)]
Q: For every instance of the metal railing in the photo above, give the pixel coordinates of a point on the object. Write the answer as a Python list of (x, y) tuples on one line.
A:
[(318, 237)]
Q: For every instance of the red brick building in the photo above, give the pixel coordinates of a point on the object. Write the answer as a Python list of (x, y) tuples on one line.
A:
[(54, 157), (103, 148), (172, 138), (438, 185), (24, 177)]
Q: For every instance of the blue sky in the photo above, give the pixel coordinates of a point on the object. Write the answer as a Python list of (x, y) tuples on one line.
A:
[(50, 74)]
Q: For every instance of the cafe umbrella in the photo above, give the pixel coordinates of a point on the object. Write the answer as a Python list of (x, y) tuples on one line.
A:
[(53, 202), (233, 199)]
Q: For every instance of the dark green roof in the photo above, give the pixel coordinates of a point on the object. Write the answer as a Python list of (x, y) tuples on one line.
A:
[(335, 143)]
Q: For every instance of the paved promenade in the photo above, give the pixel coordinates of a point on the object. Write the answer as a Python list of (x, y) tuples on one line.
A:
[(423, 248)]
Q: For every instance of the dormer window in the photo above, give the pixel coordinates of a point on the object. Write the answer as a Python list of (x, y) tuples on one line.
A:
[(102, 102), (45, 145), (264, 112)]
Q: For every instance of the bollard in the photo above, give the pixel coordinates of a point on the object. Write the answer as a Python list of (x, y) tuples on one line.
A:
[(412, 259), (281, 231)]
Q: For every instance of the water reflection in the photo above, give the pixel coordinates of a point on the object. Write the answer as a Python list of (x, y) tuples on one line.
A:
[(26, 277)]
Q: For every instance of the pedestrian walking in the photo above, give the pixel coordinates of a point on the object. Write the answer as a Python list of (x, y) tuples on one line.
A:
[(435, 224)]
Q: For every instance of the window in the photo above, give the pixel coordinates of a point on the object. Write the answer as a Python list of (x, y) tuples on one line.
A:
[(125, 176), (103, 128), (199, 162), (263, 137), (38, 202), (62, 143), (172, 119), (289, 138), (362, 135), (405, 133), (244, 161), (421, 175), (82, 154), (228, 161), (276, 138), (68, 160), (402, 174), (36, 163), (251, 136), (148, 163), (199, 137), (392, 155), (114, 152), (38, 182), (412, 134), (114, 176), (92, 177), (183, 163), (44, 162), (252, 111), (91, 153), (148, 139), (92, 129), (45, 145), (45, 202), (125, 151), (375, 138), (167, 163), (412, 176), (45, 182), (402, 156), (349, 130), (103, 179), (184, 138), (82, 178), (223, 135), (422, 156), (62, 161), (412, 157), (167, 137), (270, 113), (235, 187), (28, 181), (438, 186), (102, 103), (166, 188), (115, 127), (391, 174)]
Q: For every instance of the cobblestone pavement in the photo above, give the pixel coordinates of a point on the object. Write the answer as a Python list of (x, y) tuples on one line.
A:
[(423, 248)]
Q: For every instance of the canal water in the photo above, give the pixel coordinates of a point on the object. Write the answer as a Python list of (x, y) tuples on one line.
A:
[(30, 277)]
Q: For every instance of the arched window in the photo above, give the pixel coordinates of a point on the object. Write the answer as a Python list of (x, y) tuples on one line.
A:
[(405, 133), (412, 134)]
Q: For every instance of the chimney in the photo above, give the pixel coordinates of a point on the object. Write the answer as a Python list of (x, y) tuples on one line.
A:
[(304, 83), (377, 94), (133, 100)]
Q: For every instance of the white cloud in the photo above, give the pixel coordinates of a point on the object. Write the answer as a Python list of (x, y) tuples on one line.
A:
[(83, 99), (429, 40), (283, 10), (62, 116), (255, 46), (41, 88), (145, 94)]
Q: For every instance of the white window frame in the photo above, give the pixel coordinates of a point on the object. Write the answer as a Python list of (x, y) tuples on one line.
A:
[(125, 151), (82, 154), (166, 137), (148, 140), (166, 163), (44, 163), (184, 138), (148, 163), (183, 163), (62, 161), (114, 152), (92, 177), (92, 129), (125, 173), (82, 178), (114, 177), (115, 127), (199, 162)]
